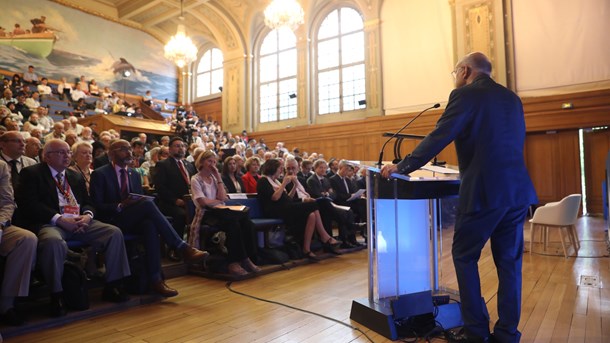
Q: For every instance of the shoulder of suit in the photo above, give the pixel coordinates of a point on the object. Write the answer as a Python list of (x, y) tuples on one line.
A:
[(28, 161)]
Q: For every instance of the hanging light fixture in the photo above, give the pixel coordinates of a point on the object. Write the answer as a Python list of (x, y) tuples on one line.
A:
[(284, 13), (180, 48)]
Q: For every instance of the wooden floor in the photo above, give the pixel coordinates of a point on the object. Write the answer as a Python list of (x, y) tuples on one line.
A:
[(556, 307)]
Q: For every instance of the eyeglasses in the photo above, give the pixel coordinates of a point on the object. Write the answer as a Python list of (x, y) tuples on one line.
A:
[(14, 140), (455, 71), (61, 152)]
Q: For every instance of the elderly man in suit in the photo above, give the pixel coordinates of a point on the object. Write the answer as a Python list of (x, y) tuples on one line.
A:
[(111, 186), (487, 123), (57, 205), (172, 181), (18, 246)]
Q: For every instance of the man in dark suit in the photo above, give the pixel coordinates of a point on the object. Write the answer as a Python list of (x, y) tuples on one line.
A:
[(110, 188), (318, 184), (344, 188), (305, 173), (58, 208), (486, 121), (172, 181)]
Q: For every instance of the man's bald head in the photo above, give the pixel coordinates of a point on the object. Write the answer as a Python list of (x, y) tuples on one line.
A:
[(478, 62)]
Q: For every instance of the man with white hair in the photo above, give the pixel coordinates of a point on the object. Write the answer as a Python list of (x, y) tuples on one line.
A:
[(75, 126)]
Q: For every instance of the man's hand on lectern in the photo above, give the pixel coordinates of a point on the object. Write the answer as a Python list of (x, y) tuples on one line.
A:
[(388, 169)]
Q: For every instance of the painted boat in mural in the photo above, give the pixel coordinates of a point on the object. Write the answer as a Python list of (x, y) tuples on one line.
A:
[(36, 44)]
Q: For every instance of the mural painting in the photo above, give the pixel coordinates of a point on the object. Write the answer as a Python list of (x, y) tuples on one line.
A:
[(63, 42)]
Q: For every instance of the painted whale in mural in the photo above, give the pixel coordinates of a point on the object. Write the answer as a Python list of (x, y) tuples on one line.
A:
[(121, 66)]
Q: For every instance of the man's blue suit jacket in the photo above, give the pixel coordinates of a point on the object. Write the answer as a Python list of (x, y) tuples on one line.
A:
[(105, 191), (487, 123)]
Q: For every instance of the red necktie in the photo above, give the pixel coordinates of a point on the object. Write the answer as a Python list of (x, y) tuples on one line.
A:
[(124, 190), (183, 171)]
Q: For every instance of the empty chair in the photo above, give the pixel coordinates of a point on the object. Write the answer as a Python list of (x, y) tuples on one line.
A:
[(561, 215)]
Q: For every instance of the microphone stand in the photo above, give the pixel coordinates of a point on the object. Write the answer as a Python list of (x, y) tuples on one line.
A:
[(379, 164)]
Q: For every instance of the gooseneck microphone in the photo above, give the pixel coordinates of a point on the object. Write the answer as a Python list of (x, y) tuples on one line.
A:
[(379, 164)]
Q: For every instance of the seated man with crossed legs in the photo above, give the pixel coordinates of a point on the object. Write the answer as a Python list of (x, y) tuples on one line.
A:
[(110, 188)]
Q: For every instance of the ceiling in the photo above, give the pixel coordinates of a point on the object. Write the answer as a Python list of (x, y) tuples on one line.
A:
[(224, 23)]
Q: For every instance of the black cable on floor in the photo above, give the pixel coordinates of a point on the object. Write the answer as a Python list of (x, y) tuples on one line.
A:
[(228, 285)]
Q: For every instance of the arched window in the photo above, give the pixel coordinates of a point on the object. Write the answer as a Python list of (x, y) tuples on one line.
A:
[(209, 73), (277, 75), (340, 62)]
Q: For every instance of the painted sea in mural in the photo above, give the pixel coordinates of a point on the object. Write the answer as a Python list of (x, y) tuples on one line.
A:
[(90, 46)]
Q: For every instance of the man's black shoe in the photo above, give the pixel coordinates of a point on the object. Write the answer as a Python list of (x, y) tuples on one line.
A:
[(460, 336), (57, 307), (114, 295), (12, 317)]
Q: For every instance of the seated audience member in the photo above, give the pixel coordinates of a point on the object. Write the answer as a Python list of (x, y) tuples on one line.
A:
[(328, 212), (230, 177), (18, 246), (106, 93), (344, 188), (84, 85), (57, 133), (86, 135), (56, 206), (7, 97), (44, 88), (30, 76), (45, 119), (147, 98), (250, 178), (16, 84), (333, 167), (301, 216), (33, 102), (71, 138), (13, 151), (80, 108), (33, 148), (305, 172), (82, 156), (172, 179), (78, 93), (75, 126), (240, 165), (138, 160), (318, 184), (110, 189), (94, 89), (208, 193), (64, 88)]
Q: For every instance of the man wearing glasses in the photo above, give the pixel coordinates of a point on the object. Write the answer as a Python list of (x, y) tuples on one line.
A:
[(487, 123), (56, 206)]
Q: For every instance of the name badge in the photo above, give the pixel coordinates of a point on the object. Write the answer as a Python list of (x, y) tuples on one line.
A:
[(71, 211)]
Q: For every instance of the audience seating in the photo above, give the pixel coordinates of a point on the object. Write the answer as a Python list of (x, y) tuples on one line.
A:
[(262, 224)]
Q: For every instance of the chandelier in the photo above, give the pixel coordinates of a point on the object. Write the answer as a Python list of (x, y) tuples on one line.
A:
[(180, 48), (284, 13)]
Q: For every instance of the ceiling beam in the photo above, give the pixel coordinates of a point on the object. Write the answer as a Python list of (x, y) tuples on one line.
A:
[(133, 8)]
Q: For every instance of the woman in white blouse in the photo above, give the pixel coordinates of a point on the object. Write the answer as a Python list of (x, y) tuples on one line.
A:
[(209, 194)]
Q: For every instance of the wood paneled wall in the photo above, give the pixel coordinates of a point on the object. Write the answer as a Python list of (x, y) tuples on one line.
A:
[(551, 150), (209, 109)]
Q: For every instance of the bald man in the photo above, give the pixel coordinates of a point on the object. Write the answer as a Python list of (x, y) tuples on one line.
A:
[(487, 124)]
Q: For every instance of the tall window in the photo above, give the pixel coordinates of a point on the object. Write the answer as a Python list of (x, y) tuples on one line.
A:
[(340, 62), (277, 74), (209, 73)]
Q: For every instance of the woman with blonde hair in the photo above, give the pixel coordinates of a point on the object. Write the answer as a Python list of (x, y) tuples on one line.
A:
[(209, 195), (82, 157)]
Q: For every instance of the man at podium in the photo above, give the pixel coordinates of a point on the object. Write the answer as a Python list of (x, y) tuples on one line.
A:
[(487, 124)]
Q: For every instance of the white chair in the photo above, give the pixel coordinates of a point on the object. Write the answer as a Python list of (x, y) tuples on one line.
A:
[(561, 215)]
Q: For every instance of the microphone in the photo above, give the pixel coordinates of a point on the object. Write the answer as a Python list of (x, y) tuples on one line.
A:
[(379, 164)]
